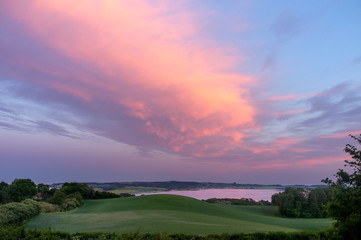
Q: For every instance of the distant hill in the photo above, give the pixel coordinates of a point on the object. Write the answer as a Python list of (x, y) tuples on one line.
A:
[(179, 185)]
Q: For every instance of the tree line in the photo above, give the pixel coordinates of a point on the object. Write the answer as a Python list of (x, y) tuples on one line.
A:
[(304, 203), (238, 201), (180, 185)]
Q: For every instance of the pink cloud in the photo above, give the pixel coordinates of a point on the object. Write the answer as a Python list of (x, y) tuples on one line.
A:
[(291, 97), (343, 134), (151, 63), (283, 98), (274, 146), (324, 160), (303, 150)]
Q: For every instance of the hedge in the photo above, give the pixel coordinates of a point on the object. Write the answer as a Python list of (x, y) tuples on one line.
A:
[(21, 233), (17, 212)]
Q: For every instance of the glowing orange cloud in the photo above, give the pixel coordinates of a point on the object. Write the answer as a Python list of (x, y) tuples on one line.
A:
[(153, 63)]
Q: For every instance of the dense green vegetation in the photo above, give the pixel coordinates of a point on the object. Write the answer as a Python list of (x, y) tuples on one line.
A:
[(236, 201), (299, 202), (21, 233), (172, 214), (17, 204), (18, 190), (345, 206), (17, 212), (21, 189)]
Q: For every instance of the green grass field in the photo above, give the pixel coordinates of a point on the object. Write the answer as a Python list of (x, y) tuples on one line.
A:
[(171, 214)]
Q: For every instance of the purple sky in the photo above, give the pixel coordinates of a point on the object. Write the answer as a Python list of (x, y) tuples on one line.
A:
[(224, 91)]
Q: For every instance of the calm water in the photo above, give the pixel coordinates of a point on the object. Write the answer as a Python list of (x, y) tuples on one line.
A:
[(255, 194)]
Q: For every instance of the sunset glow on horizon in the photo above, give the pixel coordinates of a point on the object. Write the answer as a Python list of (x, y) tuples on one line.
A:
[(238, 91)]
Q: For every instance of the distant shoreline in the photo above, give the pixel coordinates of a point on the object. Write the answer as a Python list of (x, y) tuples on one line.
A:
[(135, 187)]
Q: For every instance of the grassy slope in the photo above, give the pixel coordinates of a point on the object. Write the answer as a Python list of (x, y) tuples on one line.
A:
[(171, 214)]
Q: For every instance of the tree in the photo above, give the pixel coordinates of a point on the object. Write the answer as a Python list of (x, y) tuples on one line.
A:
[(78, 197), (45, 191), (58, 198), (290, 202), (345, 206), (86, 191), (304, 203), (21, 189), (4, 193)]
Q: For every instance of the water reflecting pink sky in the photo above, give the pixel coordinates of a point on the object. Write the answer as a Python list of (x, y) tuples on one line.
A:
[(255, 194)]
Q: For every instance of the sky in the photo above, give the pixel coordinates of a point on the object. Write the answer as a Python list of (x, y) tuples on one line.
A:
[(262, 92)]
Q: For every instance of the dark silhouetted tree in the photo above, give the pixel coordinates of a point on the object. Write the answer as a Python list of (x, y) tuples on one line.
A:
[(21, 189), (4, 193), (45, 191), (86, 191), (345, 206)]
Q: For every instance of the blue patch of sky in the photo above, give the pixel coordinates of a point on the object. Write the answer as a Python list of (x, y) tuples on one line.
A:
[(310, 58)]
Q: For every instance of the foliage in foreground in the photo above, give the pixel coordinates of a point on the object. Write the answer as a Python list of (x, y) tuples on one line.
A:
[(15, 212), (345, 206), (12, 233)]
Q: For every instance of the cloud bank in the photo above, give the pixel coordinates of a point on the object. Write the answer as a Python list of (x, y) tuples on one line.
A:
[(147, 76), (125, 62)]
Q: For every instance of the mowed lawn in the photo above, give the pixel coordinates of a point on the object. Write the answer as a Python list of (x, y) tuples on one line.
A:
[(171, 214)]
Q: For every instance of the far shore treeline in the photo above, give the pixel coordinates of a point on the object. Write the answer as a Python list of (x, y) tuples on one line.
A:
[(185, 185)]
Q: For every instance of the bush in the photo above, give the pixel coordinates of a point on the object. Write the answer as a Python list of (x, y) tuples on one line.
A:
[(16, 233), (15, 213), (69, 204), (78, 197), (48, 207), (58, 198)]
